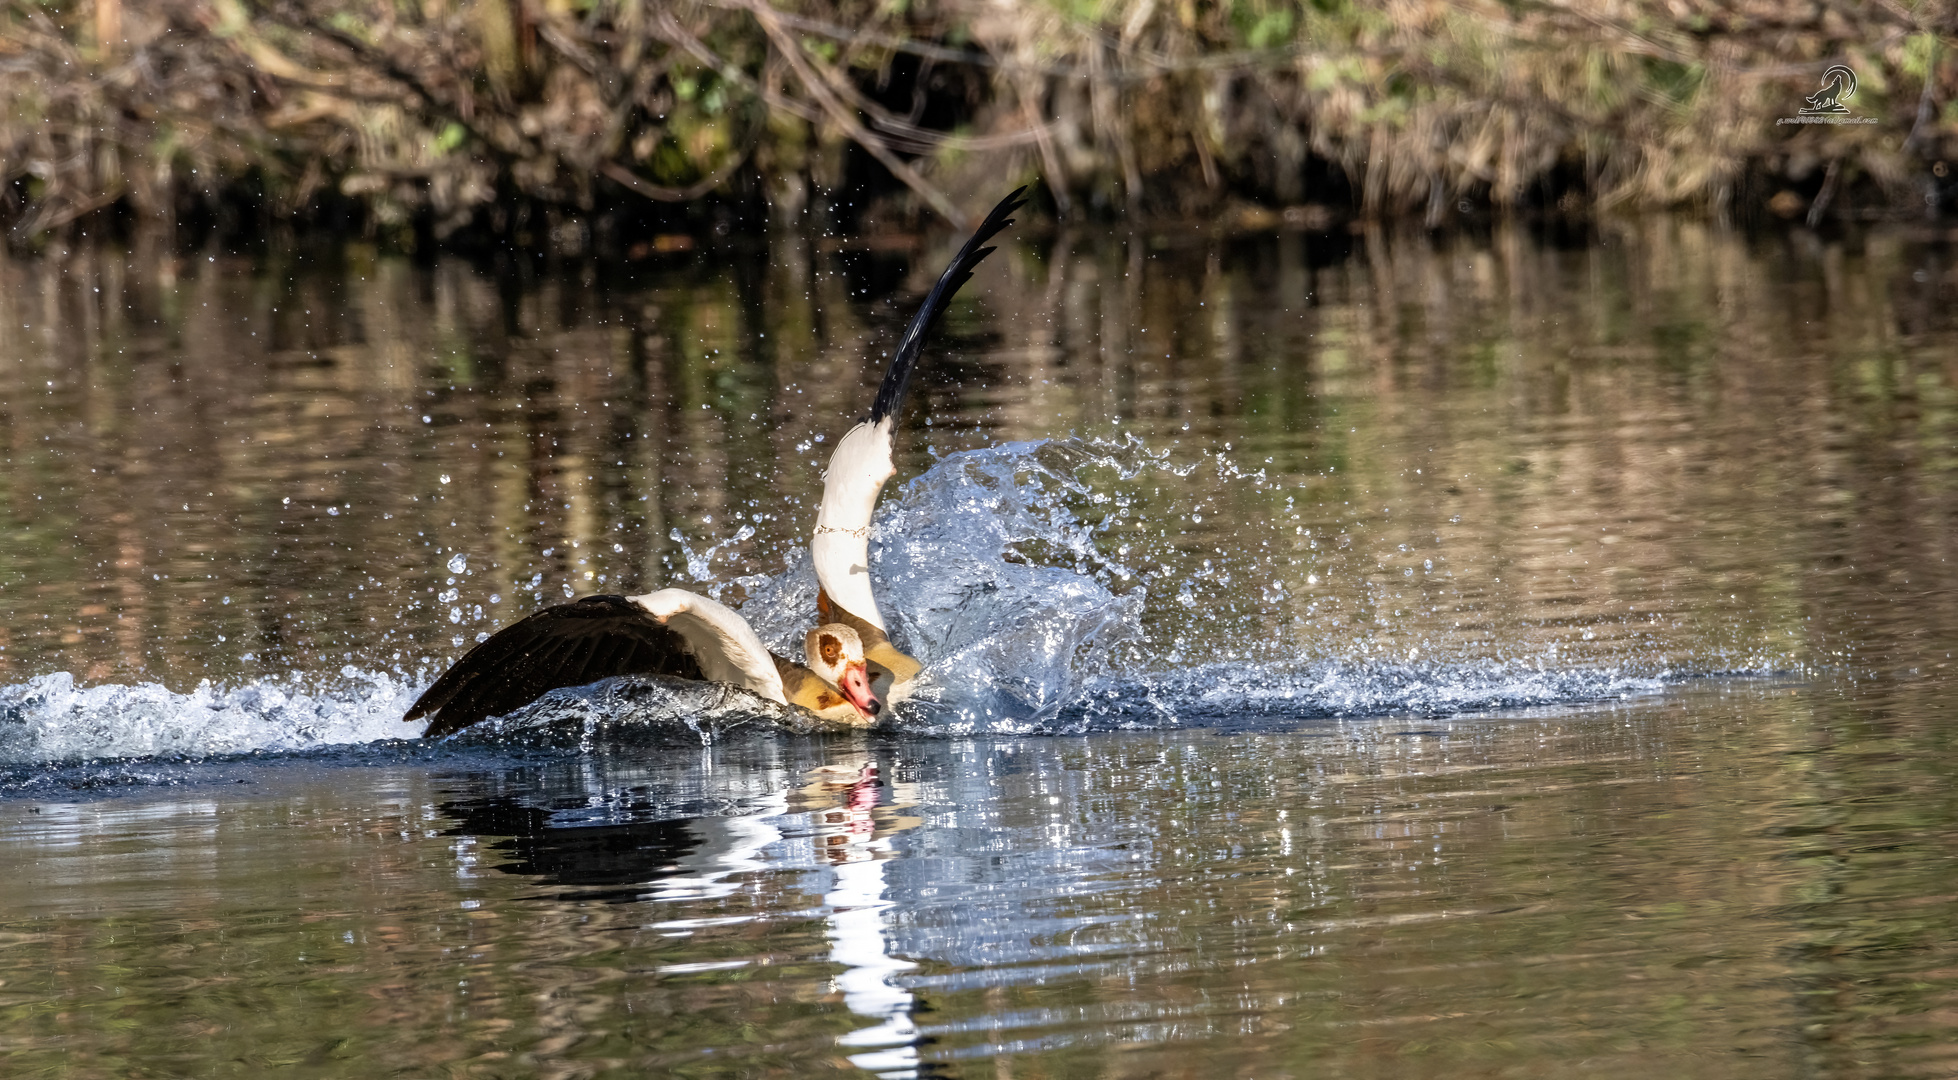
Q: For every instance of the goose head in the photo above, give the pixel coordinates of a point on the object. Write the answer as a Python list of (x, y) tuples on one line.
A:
[(836, 656)]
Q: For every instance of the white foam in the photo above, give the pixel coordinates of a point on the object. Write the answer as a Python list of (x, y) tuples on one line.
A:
[(51, 719)]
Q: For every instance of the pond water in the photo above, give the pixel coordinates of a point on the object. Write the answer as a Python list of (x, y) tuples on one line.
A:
[(1353, 654)]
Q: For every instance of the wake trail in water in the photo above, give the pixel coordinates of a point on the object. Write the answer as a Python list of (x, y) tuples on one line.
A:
[(51, 719), (1041, 586)]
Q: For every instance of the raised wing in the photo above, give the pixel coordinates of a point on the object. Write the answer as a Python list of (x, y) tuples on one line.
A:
[(862, 463), (568, 645)]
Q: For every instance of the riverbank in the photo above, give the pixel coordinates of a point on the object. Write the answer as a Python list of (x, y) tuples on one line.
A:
[(515, 120)]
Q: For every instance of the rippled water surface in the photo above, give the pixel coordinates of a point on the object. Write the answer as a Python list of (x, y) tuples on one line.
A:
[(1346, 655)]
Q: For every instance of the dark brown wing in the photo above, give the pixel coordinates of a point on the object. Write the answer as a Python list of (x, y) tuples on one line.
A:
[(568, 645)]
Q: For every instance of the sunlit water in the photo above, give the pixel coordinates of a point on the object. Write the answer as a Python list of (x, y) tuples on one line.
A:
[(1372, 655)]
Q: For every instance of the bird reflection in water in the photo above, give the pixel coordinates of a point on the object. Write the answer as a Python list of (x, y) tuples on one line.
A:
[(844, 833), (624, 849), (856, 840)]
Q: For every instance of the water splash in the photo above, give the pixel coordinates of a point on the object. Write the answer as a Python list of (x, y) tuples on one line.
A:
[(51, 719), (700, 566), (999, 586), (1047, 586), (1245, 696), (640, 708)]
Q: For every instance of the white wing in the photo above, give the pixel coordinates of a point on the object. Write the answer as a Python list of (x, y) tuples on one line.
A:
[(861, 463), (840, 547), (726, 647)]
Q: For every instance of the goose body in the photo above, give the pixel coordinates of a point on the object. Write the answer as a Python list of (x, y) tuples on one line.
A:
[(671, 632), (850, 666)]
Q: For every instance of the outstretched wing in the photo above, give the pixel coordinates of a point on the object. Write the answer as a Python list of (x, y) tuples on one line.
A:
[(567, 645), (861, 462)]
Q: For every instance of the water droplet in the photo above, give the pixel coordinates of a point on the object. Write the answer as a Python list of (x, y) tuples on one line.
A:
[(445, 478), (459, 561)]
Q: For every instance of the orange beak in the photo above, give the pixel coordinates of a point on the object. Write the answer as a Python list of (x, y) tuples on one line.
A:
[(855, 688)]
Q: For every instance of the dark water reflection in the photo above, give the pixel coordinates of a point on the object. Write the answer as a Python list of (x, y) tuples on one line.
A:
[(1738, 878), (1673, 446), (1361, 463)]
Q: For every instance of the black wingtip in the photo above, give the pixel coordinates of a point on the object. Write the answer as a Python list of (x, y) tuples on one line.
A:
[(890, 395)]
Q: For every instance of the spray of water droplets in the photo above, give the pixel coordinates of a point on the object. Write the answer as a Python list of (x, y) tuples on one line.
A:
[(1052, 586)]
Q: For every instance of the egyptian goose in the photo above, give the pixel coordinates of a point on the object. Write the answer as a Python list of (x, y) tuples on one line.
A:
[(850, 667)]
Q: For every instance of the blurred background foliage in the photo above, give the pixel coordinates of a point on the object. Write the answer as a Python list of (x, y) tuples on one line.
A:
[(417, 120)]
